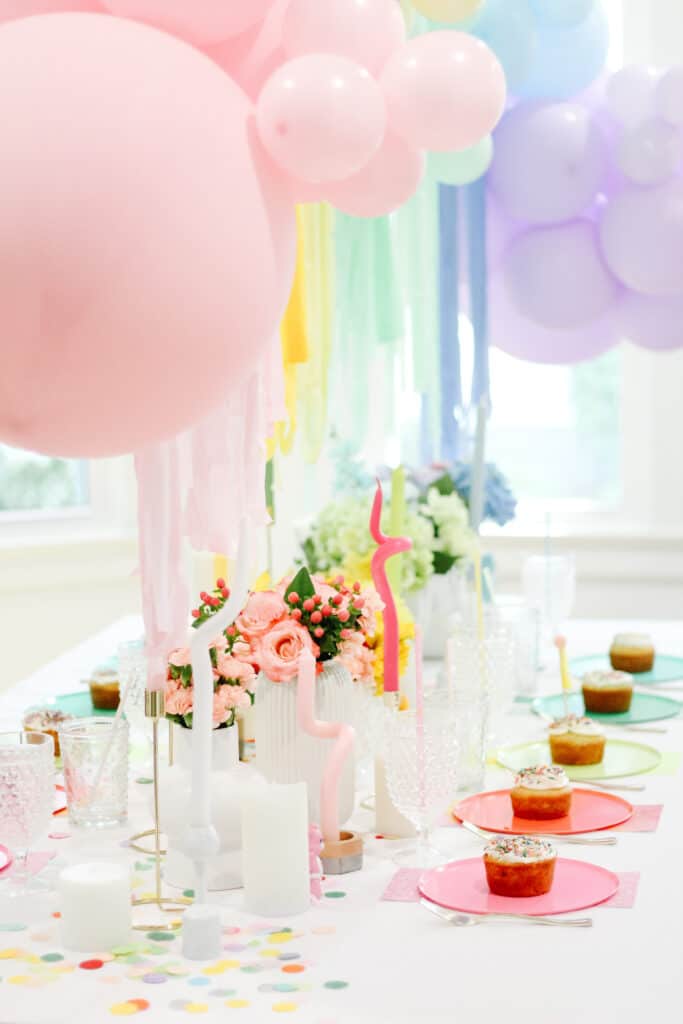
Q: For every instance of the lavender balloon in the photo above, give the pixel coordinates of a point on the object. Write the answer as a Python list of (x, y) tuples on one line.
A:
[(555, 276), (630, 94), (641, 233), (669, 96), (650, 154), (653, 323), (548, 163)]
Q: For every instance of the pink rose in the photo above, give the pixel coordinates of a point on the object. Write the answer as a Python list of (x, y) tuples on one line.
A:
[(372, 604), (280, 648), (233, 668), (178, 698), (180, 657), (357, 659), (225, 701), (261, 612)]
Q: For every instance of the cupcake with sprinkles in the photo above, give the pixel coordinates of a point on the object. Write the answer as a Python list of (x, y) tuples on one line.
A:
[(519, 866), (576, 740), (607, 692), (541, 792)]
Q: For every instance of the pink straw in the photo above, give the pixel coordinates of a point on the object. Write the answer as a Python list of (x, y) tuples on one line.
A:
[(388, 547), (344, 735)]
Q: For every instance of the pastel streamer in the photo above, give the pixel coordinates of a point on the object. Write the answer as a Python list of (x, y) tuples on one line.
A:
[(343, 748), (320, 288), (449, 334), (478, 284), (388, 546)]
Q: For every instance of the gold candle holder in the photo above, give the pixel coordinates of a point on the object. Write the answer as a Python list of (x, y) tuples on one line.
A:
[(154, 710)]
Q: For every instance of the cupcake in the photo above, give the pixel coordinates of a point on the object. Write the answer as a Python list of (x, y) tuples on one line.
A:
[(607, 692), (632, 652), (541, 792), (46, 720), (104, 689), (519, 866), (575, 740)]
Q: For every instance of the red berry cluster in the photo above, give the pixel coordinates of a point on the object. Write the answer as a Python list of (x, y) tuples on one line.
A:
[(210, 603), (329, 621)]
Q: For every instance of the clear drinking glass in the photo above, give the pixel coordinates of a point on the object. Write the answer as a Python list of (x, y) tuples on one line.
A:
[(421, 769), (95, 758), (132, 666), (26, 801), (477, 667), (549, 586), (524, 622)]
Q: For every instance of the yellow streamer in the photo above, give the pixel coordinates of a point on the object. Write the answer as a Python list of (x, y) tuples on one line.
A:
[(320, 301)]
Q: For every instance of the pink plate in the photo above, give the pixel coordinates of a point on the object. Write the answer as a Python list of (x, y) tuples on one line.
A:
[(5, 858), (589, 812), (60, 800), (461, 885)]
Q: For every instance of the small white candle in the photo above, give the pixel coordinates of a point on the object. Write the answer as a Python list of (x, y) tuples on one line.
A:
[(388, 819), (95, 903), (275, 865)]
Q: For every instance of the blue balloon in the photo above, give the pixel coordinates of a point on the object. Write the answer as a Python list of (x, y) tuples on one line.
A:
[(567, 60), (509, 28), (562, 13)]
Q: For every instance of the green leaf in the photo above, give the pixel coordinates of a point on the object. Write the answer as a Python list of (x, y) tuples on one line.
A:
[(302, 584), (444, 485), (443, 563)]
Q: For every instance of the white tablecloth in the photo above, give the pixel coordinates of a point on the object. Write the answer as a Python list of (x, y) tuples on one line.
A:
[(399, 962)]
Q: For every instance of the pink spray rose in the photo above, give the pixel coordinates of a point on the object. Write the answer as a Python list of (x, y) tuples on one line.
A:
[(280, 648), (226, 700), (180, 657), (178, 698), (261, 612), (233, 668), (357, 659)]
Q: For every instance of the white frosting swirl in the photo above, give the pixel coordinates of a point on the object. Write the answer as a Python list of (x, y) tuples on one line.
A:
[(632, 640), (576, 725), (542, 776), (604, 679), (519, 850)]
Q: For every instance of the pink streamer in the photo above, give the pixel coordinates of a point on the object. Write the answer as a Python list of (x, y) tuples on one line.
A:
[(388, 547), (344, 735)]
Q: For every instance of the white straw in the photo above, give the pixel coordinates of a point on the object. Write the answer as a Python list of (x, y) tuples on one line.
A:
[(110, 742)]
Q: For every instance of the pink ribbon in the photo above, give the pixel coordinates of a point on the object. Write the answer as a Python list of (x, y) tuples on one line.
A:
[(388, 547)]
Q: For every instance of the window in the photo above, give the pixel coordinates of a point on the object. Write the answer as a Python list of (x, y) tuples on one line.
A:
[(33, 483)]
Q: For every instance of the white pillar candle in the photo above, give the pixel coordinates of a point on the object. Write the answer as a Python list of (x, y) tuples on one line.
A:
[(275, 865), (95, 904), (388, 819)]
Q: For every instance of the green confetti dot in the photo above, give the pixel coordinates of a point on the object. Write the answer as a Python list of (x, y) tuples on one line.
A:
[(13, 926), (336, 984), (142, 865), (51, 958), (335, 895), (189, 893), (142, 780), (160, 937), (251, 968)]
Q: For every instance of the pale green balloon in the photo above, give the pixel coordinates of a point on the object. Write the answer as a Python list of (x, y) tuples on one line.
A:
[(462, 167)]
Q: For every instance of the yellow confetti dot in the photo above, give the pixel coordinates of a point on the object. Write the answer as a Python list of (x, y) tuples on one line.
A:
[(31, 958), (270, 952), (278, 937), (196, 1007), (214, 969), (237, 1004), (285, 1007), (147, 896), (123, 1009), (9, 954), (228, 964), (19, 979)]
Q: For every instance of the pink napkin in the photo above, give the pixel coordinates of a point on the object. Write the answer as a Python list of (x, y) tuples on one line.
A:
[(403, 888), (645, 818)]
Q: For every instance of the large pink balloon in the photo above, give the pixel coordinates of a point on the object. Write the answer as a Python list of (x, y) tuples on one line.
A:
[(10, 10), (641, 232), (251, 57), (444, 91), (145, 256), (556, 278), (387, 182), (321, 117), (199, 21), (367, 31)]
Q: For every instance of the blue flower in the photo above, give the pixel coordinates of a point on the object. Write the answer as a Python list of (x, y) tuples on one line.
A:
[(499, 501)]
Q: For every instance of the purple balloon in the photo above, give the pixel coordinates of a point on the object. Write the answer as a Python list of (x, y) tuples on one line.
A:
[(548, 162), (523, 339), (556, 278), (641, 233), (653, 323), (651, 153)]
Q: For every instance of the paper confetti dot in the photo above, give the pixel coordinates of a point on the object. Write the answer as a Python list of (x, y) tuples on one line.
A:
[(189, 894), (270, 952), (106, 958), (231, 930), (51, 958), (176, 970), (13, 926), (222, 993), (237, 1004), (228, 964), (196, 1007), (335, 894), (56, 914), (19, 979), (142, 780), (126, 1009), (123, 950), (293, 968), (41, 936), (327, 929), (251, 968), (199, 981), (154, 979), (232, 947), (91, 965), (285, 1007), (161, 936), (141, 1004), (59, 835), (9, 954), (289, 956), (336, 984), (284, 987)]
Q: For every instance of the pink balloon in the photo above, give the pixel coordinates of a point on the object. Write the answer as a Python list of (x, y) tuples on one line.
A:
[(384, 184), (655, 323), (444, 91), (367, 31), (199, 21), (146, 257), (555, 276), (321, 117), (251, 57), (10, 10)]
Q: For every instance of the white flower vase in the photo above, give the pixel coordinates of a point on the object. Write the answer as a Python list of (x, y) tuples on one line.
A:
[(286, 754), (433, 606), (228, 776)]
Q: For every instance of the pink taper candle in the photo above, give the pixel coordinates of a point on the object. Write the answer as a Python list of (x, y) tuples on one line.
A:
[(388, 546), (344, 735)]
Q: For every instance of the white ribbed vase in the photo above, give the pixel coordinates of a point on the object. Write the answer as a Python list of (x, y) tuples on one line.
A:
[(286, 754)]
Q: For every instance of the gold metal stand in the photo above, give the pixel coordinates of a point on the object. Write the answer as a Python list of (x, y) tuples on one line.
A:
[(154, 709)]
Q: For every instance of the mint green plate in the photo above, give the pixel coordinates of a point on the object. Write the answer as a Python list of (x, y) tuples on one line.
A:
[(80, 705), (666, 669), (621, 758), (645, 707)]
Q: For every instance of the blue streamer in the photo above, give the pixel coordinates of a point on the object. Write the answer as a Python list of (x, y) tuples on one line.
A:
[(449, 336), (476, 246), (426, 454)]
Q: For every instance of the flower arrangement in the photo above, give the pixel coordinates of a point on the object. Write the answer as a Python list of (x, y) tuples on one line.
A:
[(329, 619), (500, 503)]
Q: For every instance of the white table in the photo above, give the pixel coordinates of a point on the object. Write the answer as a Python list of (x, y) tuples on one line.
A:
[(400, 962)]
